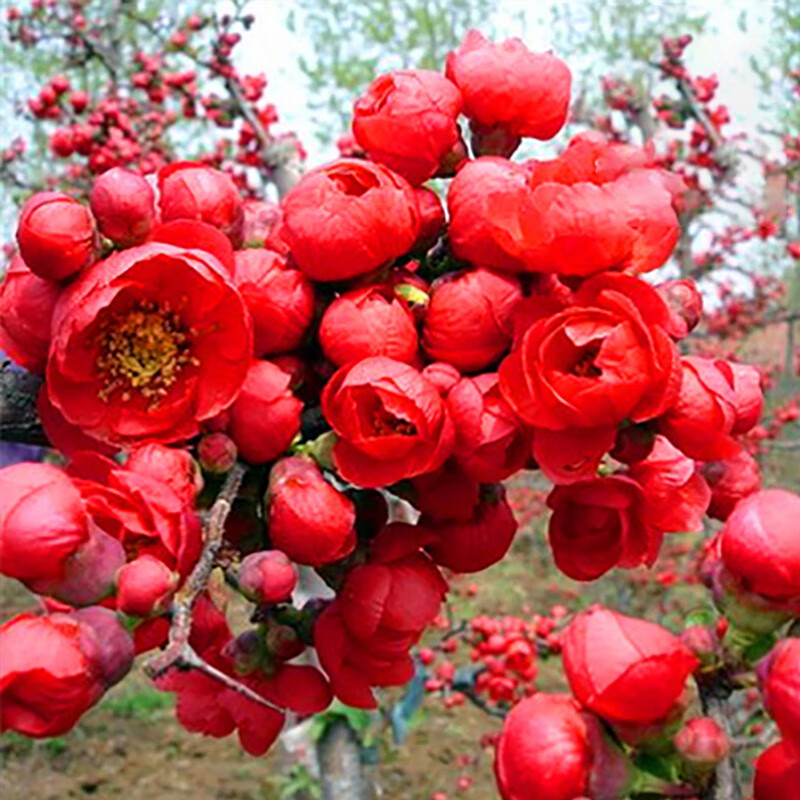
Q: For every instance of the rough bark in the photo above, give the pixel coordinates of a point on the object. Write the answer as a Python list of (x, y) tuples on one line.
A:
[(341, 771), (19, 421)]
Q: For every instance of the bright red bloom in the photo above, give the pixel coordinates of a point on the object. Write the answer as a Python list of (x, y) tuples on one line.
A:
[(703, 417), (491, 444), (309, 520), (143, 513), (730, 481), (760, 545), (625, 670), (406, 120), (748, 397), (145, 586), (55, 667), (353, 665), (544, 751), (598, 524), (170, 465), (56, 235), (188, 190), (390, 421), (26, 308), (469, 320), (371, 321), (777, 774), (396, 594), (266, 416), (592, 209), (148, 343), (677, 494), (280, 300), (124, 205), (601, 360), (42, 521), (370, 215), (191, 234), (507, 86), (267, 577), (473, 545), (446, 494), (779, 680)]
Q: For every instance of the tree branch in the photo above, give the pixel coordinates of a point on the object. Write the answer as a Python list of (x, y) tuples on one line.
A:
[(19, 422), (179, 654), (714, 694)]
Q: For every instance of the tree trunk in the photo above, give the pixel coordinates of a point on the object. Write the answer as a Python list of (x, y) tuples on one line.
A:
[(341, 771)]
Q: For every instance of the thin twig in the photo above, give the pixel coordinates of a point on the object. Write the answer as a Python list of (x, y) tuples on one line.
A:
[(714, 694)]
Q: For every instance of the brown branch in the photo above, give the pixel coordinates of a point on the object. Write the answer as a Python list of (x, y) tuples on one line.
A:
[(19, 422), (179, 654), (714, 693)]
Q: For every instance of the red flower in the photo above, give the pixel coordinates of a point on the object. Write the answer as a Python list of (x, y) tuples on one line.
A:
[(677, 495), (266, 416), (396, 594), (26, 308), (280, 300), (406, 120), (371, 321), (370, 215), (544, 751), (124, 205), (42, 521), (355, 665), (587, 211), (145, 586), (491, 444), (702, 419), (309, 520), (469, 320), (760, 545), (446, 494), (56, 235), (431, 218), (188, 190), (625, 670), (507, 86), (748, 397), (390, 421), (267, 577), (192, 234), (473, 545), (598, 524), (55, 667), (779, 680), (148, 343), (777, 774), (730, 481), (601, 360)]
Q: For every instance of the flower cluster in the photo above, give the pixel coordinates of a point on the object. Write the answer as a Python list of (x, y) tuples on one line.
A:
[(375, 363)]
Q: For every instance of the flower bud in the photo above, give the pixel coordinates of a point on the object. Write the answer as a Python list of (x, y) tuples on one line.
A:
[(145, 586), (194, 191), (371, 321), (267, 577), (469, 319), (702, 742), (702, 641), (431, 219), (685, 305), (279, 297), (56, 235), (246, 651), (217, 453), (309, 520), (105, 638), (171, 465), (124, 205), (26, 308), (281, 641), (266, 416)]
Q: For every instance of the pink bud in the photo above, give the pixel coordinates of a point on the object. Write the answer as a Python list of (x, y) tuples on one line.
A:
[(217, 453), (685, 305), (702, 742), (145, 586), (267, 577), (111, 645), (124, 205)]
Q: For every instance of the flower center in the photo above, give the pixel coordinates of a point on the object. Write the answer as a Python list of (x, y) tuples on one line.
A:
[(385, 423), (143, 350), (584, 366)]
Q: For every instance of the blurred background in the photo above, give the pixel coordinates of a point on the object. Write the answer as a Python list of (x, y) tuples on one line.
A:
[(151, 81)]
